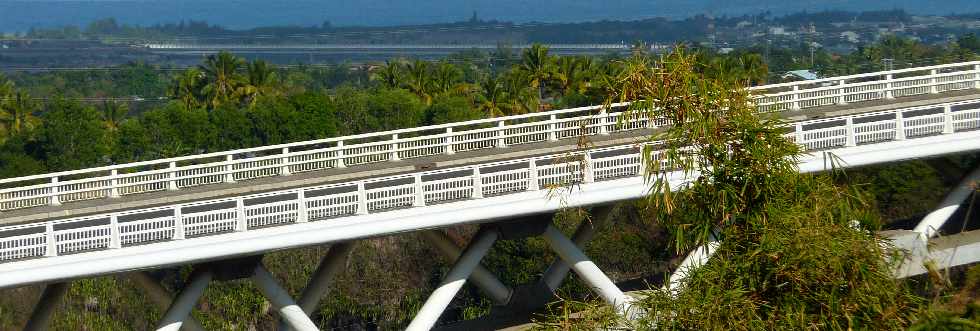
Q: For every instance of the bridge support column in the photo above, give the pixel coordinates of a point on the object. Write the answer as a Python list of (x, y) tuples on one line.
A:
[(162, 298), (588, 271), (482, 278), (182, 305), (50, 298), (280, 300), (446, 291), (319, 284), (698, 257), (929, 226), (558, 269)]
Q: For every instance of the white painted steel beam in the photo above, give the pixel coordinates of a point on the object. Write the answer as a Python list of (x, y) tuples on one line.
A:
[(695, 259), (930, 224), (281, 301), (482, 278), (437, 302), (46, 305), (558, 269), (588, 271), (162, 298), (319, 284), (184, 303)]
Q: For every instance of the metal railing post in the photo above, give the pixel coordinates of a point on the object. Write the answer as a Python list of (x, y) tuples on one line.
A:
[(419, 192), (798, 131), (849, 131), (114, 236), (179, 232), (841, 93), (340, 155), (899, 125), (796, 98), (553, 128), (976, 76), (55, 199), (284, 171), (362, 208), (113, 184), (948, 119), (172, 183), (532, 175), (588, 173), (933, 88), (501, 134), (301, 216), (477, 183), (229, 169), (241, 219), (449, 142), (889, 86), (50, 239), (393, 148), (603, 121)]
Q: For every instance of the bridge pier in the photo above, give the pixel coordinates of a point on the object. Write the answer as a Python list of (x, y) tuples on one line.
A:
[(50, 298), (929, 226), (436, 304), (588, 271), (281, 301), (319, 284), (558, 270), (482, 278), (162, 298), (185, 301)]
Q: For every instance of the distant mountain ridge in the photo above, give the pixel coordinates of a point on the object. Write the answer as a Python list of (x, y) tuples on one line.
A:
[(20, 15)]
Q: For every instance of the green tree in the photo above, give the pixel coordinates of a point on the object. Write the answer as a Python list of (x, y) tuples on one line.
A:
[(418, 80), (222, 81), (389, 75), (187, 88), (398, 107), (538, 67), (492, 97), (113, 113), (448, 109), (72, 136)]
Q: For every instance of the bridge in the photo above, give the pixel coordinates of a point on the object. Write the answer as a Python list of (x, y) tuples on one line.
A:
[(221, 211)]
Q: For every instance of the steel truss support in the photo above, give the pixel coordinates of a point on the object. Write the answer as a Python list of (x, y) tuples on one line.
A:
[(162, 298), (588, 271), (558, 269), (182, 305), (281, 301), (697, 258), (50, 298), (482, 278), (319, 283), (454, 280), (929, 226)]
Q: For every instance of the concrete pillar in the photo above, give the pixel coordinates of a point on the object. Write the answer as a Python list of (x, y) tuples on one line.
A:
[(446, 291), (280, 300), (340, 163), (162, 298), (45, 307), (172, 183), (229, 169), (588, 271), (482, 278), (182, 305), (113, 184), (929, 226), (284, 170), (393, 148), (55, 199), (558, 269)]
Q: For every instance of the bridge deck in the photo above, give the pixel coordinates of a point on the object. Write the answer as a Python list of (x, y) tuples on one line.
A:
[(404, 166)]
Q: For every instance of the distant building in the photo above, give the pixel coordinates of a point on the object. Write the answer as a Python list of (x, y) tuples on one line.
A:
[(850, 36), (778, 30), (800, 75)]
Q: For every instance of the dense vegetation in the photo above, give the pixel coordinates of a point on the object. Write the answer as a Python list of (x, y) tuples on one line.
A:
[(228, 103)]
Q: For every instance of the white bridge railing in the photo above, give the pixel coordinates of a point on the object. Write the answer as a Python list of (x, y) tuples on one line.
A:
[(377, 195), (285, 159)]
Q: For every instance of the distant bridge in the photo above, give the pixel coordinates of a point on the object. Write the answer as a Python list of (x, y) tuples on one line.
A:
[(221, 210)]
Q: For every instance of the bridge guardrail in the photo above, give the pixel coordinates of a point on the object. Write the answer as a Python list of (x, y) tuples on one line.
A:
[(286, 159), (377, 195)]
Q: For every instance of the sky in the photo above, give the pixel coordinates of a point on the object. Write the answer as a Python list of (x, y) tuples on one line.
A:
[(19, 15)]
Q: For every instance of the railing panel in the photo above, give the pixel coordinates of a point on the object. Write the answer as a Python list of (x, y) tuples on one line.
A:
[(146, 231)]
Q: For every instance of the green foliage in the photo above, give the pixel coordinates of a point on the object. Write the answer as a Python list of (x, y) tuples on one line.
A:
[(452, 109), (73, 136), (397, 107)]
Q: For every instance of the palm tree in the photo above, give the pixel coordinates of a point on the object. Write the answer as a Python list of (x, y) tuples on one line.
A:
[(222, 81), (187, 88), (262, 81), (520, 98), (419, 80), (113, 114), (538, 66), (572, 73), (492, 97), (17, 113), (389, 75)]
